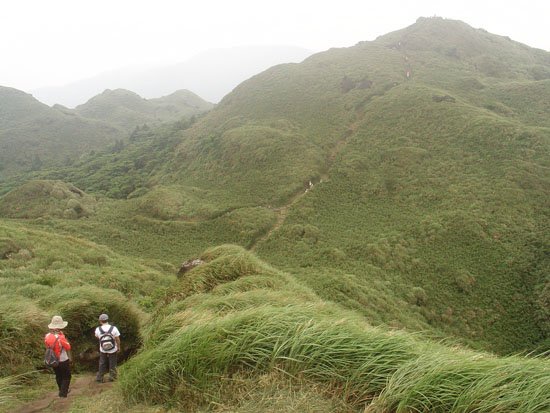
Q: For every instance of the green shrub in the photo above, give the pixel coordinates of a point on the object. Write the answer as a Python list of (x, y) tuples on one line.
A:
[(418, 296), (81, 307), (22, 329), (8, 247)]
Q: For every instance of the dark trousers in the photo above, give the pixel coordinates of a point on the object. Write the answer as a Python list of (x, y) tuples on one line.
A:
[(63, 377), (107, 361)]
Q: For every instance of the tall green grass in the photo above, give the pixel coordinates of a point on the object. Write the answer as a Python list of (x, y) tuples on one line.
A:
[(7, 390), (197, 345), (44, 274), (442, 382)]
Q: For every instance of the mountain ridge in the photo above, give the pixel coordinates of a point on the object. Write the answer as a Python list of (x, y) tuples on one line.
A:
[(34, 135)]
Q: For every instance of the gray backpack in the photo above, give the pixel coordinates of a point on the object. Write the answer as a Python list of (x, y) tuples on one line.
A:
[(50, 359), (106, 339)]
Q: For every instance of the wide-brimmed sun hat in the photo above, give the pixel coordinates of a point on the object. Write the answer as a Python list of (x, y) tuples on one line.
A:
[(57, 323)]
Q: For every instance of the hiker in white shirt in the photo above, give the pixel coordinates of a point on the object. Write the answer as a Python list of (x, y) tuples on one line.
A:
[(109, 346)]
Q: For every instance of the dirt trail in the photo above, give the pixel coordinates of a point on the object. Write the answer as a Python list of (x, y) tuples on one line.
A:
[(51, 402), (342, 142), (282, 212)]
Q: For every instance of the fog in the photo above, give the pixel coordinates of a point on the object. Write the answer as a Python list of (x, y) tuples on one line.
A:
[(60, 42)]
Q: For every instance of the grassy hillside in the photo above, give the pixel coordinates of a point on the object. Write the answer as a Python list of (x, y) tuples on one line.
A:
[(431, 179), (387, 210), (458, 219), (236, 333)]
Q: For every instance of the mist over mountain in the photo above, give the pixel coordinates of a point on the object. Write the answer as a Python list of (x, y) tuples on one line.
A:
[(211, 75)]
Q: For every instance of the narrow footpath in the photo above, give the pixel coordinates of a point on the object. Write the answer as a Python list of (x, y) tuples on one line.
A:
[(81, 386), (282, 212)]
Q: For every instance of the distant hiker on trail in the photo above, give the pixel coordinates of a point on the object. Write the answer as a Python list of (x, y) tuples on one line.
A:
[(60, 361), (109, 345)]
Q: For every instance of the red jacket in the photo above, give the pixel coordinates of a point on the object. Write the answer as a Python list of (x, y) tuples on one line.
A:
[(62, 342)]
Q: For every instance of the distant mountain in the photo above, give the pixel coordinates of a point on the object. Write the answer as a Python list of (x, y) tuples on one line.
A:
[(126, 109), (210, 74), (34, 135)]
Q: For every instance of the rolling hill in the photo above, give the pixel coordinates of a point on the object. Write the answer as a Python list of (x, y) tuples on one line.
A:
[(32, 133), (126, 109), (34, 136)]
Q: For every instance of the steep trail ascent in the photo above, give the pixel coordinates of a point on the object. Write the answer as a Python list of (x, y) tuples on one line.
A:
[(282, 212)]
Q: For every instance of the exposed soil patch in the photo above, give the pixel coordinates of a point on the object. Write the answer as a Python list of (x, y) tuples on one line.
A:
[(51, 402)]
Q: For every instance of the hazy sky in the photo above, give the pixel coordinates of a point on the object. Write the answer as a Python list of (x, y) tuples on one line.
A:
[(54, 42)]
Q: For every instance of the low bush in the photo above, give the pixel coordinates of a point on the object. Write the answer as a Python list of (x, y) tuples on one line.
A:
[(81, 306), (22, 328)]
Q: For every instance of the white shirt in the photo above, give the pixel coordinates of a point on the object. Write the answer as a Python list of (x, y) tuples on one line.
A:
[(115, 333)]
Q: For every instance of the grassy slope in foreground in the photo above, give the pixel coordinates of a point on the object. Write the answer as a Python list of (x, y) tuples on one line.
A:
[(43, 273), (235, 318)]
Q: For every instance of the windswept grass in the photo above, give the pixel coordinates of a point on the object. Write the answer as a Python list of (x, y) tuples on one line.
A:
[(22, 328), (439, 381), (203, 341), (8, 390)]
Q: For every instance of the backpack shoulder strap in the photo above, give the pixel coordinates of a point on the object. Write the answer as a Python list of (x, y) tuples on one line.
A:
[(110, 329), (54, 342)]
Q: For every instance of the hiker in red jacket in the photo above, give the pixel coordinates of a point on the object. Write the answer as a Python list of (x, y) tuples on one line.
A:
[(56, 339)]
